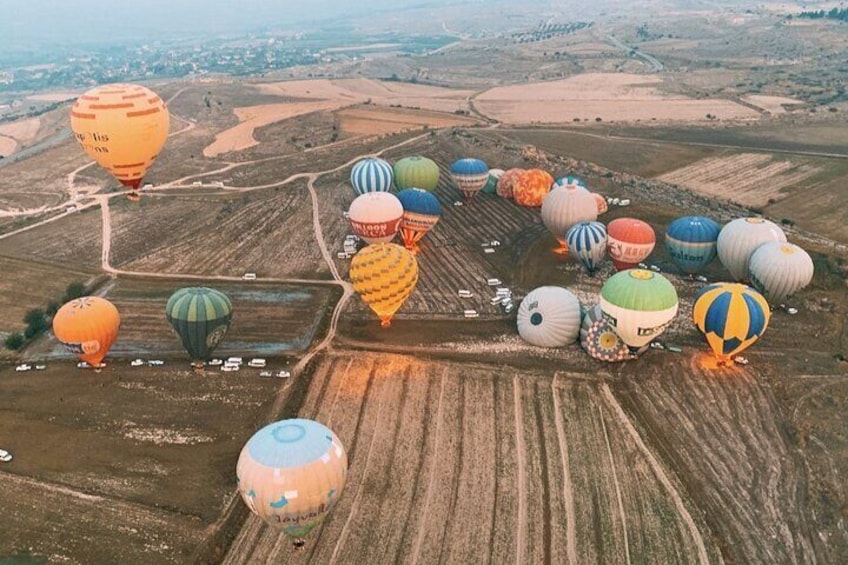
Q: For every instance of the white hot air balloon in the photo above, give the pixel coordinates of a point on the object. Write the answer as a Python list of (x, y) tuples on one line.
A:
[(565, 206), (549, 316), (738, 240), (779, 270), (376, 216)]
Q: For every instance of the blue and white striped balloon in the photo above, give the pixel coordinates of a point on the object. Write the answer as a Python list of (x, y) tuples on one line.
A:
[(587, 242), (371, 175)]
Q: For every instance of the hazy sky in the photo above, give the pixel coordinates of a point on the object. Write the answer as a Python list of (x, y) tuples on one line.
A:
[(73, 21)]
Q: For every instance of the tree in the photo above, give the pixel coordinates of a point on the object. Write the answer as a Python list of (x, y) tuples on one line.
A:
[(14, 341), (52, 308), (35, 318), (75, 290)]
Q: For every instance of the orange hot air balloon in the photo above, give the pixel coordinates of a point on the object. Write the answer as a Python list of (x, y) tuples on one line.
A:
[(506, 183), (122, 127), (601, 201), (87, 327), (630, 241), (531, 187)]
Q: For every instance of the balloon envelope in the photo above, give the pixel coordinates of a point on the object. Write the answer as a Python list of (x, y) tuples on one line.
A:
[(506, 184), (200, 317), (549, 316), (87, 327), (291, 474), (470, 176), (122, 127), (565, 206), (587, 242), (375, 216), (421, 211), (630, 242), (531, 187), (639, 305), (731, 317), (491, 186), (416, 172), (738, 240), (601, 342), (384, 275), (371, 175), (779, 270), (601, 203), (691, 242)]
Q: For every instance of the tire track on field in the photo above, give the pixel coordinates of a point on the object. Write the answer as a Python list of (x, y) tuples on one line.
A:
[(521, 476), (419, 538), (493, 524), (658, 470), (567, 492), (546, 481), (622, 516), (458, 465)]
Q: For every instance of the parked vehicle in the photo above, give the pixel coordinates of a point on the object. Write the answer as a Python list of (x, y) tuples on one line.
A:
[(5, 456), (256, 363), (40, 367), (283, 374), (24, 367), (136, 362)]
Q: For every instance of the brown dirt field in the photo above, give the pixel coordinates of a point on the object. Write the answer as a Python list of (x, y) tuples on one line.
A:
[(610, 96), (21, 130), (28, 284), (268, 233), (252, 117), (751, 179), (773, 104), (54, 96), (364, 121), (7, 146), (41, 179)]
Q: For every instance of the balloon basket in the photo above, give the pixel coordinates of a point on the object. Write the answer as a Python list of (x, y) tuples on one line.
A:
[(133, 196), (298, 544), (385, 322)]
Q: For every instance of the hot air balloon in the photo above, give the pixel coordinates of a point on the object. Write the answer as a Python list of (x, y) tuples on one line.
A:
[(371, 175), (492, 182), (587, 242), (506, 184), (122, 127), (601, 202), (565, 206), (731, 316), (549, 316), (416, 172), (691, 242), (200, 317), (384, 275), (601, 342), (779, 270), (87, 327), (738, 240), (421, 211), (375, 216), (291, 474), (630, 242), (639, 305), (531, 187), (470, 176)]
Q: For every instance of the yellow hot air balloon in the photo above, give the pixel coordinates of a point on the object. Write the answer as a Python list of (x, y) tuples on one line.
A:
[(384, 275), (87, 327), (122, 127)]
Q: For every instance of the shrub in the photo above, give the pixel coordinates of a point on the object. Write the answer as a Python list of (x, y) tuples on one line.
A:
[(14, 341)]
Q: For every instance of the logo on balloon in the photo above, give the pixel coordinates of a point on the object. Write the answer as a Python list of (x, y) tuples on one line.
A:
[(216, 336), (641, 275)]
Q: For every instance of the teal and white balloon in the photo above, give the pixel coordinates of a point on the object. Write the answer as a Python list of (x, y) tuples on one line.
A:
[(371, 175), (639, 305), (779, 270), (587, 242), (291, 474), (549, 316)]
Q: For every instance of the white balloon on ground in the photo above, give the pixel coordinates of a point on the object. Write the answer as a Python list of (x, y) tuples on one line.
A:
[(779, 270), (738, 240), (549, 316)]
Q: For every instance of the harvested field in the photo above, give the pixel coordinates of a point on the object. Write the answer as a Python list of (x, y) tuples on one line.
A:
[(366, 121), (381, 93), (54, 96), (774, 104), (40, 180), (21, 130), (751, 179), (73, 241), (608, 96), (252, 117), (511, 468), (269, 233), (7, 146), (28, 284)]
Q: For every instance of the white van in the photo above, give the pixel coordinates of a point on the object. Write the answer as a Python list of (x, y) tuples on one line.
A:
[(465, 293), (493, 282), (249, 276), (471, 314), (235, 360), (256, 363)]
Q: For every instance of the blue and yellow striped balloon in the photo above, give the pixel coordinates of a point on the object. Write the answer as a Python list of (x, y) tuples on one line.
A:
[(731, 316)]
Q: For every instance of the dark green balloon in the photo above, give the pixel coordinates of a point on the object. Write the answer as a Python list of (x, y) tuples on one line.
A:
[(200, 317)]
